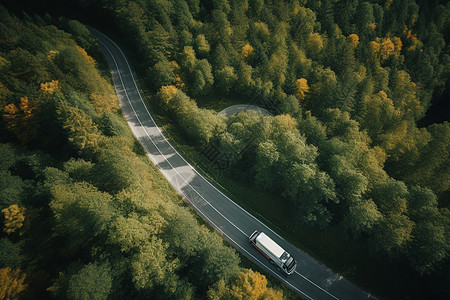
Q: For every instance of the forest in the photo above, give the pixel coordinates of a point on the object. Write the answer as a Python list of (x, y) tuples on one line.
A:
[(348, 83), (84, 213)]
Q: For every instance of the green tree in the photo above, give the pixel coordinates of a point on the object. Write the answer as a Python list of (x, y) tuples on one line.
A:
[(113, 173), (111, 125), (183, 17), (160, 43), (366, 19), (202, 45), (219, 29), (430, 244), (12, 189), (220, 57), (81, 130), (432, 161), (322, 90), (267, 157), (379, 116), (313, 129), (203, 78), (25, 66), (163, 73), (133, 232), (310, 190), (7, 156), (245, 81), (194, 6), (93, 281), (277, 66), (362, 217), (10, 254), (394, 231), (79, 169), (351, 185), (199, 124), (222, 5), (81, 34), (198, 72), (225, 79), (303, 23), (344, 14), (203, 253), (81, 212), (150, 267)]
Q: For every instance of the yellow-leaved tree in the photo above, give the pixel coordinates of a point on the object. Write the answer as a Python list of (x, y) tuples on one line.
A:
[(50, 87), (302, 87), (14, 217), (52, 54), (11, 283), (353, 39), (247, 51), (314, 42), (383, 48), (86, 56), (166, 94), (248, 285), (18, 119)]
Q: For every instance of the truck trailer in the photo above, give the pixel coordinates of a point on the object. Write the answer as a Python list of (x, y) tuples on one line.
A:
[(273, 252)]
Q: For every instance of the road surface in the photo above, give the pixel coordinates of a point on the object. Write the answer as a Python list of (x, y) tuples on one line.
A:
[(232, 110), (310, 280)]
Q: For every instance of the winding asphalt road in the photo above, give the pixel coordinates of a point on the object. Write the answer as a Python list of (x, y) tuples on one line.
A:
[(311, 280)]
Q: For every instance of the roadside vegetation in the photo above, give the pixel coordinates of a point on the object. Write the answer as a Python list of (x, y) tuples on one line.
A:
[(84, 214), (347, 82)]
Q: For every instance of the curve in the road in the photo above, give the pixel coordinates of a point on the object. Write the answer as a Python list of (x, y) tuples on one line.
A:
[(316, 282), (232, 110)]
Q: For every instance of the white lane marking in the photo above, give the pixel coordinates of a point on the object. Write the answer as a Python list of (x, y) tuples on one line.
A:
[(118, 73)]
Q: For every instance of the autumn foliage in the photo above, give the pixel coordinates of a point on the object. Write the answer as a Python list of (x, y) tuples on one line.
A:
[(14, 217), (302, 88), (18, 119), (247, 51), (86, 56), (12, 284), (50, 87)]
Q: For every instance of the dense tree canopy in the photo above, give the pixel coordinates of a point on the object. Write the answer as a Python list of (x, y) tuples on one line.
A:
[(346, 81)]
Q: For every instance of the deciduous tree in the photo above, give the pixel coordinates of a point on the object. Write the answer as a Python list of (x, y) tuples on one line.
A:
[(302, 88), (93, 281), (14, 216), (11, 283)]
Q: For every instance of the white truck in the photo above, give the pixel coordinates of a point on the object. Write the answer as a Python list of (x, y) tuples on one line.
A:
[(273, 252)]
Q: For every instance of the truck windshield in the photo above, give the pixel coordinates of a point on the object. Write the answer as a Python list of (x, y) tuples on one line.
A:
[(290, 263)]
